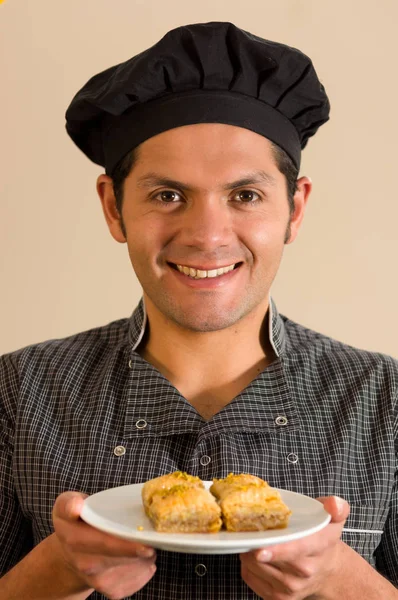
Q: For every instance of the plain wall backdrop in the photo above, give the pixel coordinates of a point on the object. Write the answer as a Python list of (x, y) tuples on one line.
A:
[(60, 270)]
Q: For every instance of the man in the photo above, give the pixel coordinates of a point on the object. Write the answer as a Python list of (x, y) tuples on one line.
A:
[(200, 137)]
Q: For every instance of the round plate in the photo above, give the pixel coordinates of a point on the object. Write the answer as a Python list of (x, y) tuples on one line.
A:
[(119, 511)]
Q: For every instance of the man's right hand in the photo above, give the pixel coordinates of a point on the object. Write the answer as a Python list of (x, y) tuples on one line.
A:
[(112, 566)]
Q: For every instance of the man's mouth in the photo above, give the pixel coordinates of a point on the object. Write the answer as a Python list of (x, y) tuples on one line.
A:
[(196, 273)]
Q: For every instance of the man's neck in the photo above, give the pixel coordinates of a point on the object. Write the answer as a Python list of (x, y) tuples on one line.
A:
[(211, 367)]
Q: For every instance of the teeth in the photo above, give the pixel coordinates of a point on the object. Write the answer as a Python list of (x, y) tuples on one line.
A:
[(199, 274)]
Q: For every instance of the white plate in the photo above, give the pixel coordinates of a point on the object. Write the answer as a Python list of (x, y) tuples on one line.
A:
[(119, 511)]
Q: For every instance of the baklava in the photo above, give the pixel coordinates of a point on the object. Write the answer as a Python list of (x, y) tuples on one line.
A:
[(179, 503), (248, 503)]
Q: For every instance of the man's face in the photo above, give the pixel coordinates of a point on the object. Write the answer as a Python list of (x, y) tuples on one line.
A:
[(202, 198)]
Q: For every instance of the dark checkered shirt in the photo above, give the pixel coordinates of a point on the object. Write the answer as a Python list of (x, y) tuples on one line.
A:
[(65, 405)]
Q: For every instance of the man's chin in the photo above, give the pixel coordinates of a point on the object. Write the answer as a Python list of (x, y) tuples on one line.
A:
[(203, 326), (205, 316), (205, 322)]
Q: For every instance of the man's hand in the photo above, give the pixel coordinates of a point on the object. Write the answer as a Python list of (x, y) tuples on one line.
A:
[(117, 568), (299, 570)]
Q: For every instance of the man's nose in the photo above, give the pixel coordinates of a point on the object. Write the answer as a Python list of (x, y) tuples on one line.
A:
[(207, 224)]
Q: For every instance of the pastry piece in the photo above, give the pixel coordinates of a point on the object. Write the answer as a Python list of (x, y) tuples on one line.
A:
[(178, 503), (185, 509), (248, 503), (165, 482)]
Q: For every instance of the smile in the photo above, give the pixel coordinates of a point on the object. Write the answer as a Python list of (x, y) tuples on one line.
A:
[(202, 274)]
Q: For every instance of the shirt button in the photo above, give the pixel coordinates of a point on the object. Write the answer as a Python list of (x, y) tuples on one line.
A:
[(200, 570), (130, 364), (205, 460), (119, 451), (141, 424), (281, 421), (292, 458)]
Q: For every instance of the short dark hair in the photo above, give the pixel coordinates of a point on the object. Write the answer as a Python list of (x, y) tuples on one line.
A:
[(282, 160)]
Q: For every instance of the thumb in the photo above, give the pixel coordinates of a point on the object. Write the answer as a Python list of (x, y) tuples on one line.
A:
[(338, 508), (68, 506)]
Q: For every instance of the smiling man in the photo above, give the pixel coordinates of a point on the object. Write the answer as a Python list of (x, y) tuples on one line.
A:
[(200, 137), (206, 217)]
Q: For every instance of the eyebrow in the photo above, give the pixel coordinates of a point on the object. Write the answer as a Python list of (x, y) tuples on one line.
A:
[(153, 179)]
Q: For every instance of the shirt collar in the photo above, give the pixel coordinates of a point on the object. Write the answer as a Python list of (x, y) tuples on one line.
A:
[(276, 330), (276, 327)]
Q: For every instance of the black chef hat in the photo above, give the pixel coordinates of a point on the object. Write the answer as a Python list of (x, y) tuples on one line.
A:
[(202, 73)]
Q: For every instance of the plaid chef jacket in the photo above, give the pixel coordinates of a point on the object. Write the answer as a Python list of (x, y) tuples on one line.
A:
[(66, 405)]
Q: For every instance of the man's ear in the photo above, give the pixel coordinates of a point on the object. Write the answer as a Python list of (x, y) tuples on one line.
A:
[(111, 213), (300, 198)]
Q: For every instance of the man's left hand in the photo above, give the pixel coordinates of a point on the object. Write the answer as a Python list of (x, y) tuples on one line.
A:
[(299, 570)]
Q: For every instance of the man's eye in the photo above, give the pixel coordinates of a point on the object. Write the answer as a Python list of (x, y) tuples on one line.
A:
[(168, 196), (247, 196)]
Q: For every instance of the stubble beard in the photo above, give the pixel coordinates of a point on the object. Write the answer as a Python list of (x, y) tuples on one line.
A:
[(209, 317)]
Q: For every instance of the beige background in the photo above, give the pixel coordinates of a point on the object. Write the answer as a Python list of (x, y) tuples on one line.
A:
[(60, 270)]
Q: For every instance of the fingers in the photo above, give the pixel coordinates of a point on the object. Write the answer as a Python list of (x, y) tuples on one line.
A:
[(270, 582), (126, 581), (79, 537), (312, 545), (115, 567), (68, 506), (303, 567), (121, 580), (257, 583), (294, 568), (93, 566), (82, 538), (338, 508)]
